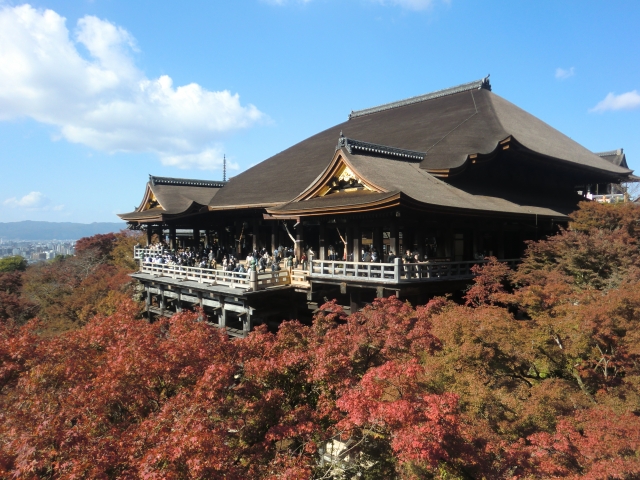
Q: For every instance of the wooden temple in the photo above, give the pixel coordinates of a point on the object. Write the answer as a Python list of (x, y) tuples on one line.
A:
[(455, 175)]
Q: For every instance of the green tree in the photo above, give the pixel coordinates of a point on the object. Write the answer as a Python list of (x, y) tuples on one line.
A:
[(13, 264)]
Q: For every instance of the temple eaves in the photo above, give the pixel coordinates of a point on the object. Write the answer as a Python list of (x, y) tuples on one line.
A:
[(476, 85), (356, 146), (185, 182)]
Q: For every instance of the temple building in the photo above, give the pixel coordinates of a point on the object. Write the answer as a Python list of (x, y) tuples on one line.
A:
[(452, 176)]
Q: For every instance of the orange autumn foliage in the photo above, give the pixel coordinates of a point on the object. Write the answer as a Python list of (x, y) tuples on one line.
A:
[(536, 377)]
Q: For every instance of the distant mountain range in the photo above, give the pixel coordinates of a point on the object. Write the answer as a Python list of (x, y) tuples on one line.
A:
[(29, 230)]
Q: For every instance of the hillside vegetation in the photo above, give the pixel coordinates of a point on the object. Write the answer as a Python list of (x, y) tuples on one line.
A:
[(537, 376)]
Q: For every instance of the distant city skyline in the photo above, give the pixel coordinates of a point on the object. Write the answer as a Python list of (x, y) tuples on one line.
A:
[(95, 95)]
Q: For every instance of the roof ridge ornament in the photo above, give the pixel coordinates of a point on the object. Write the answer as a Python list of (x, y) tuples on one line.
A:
[(610, 153), (356, 147), (185, 182), (483, 83)]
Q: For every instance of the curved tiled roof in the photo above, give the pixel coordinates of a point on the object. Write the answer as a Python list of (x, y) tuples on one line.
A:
[(617, 157), (398, 176), (174, 196), (445, 128)]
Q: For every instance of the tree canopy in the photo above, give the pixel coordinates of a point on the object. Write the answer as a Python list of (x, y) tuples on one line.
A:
[(13, 264), (537, 375)]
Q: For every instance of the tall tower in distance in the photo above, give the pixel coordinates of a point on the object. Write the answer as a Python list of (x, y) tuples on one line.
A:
[(224, 168)]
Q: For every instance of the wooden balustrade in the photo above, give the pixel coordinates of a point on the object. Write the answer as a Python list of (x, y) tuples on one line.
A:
[(140, 253), (197, 274), (395, 272), (387, 273)]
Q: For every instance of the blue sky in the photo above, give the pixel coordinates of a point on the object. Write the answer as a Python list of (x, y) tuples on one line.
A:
[(96, 95)]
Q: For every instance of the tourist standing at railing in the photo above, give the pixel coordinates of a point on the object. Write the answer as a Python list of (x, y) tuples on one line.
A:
[(406, 260)]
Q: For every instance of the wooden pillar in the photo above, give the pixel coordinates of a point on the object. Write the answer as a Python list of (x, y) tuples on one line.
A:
[(196, 237), (407, 237), (179, 302), (322, 253), (418, 243), (356, 234), (255, 230), (393, 239), (148, 302), (172, 237), (274, 237), (163, 303), (246, 323), (299, 240), (201, 316), (448, 243), (377, 242), (238, 238), (149, 234), (222, 317), (354, 301), (207, 232)]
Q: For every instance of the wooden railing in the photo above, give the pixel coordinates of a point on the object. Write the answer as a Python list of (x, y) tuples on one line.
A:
[(249, 280), (197, 274), (299, 278), (273, 279), (140, 253), (387, 273), (370, 272), (396, 272)]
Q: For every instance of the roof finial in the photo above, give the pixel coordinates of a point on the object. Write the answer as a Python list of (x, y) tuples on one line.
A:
[(224, 168)]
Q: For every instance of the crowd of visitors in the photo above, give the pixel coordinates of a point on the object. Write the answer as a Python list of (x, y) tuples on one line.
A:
[(216, 256)]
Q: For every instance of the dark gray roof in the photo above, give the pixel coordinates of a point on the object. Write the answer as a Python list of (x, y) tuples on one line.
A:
[(356, 146), (447, 127), (395, 176), (185, 182), (175, 196), (335, 200), (476, 85), (617, 157)]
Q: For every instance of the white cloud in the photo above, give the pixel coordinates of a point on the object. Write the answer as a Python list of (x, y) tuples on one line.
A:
[(104, 101), (624, 101), (562, 74), (31, 200)]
